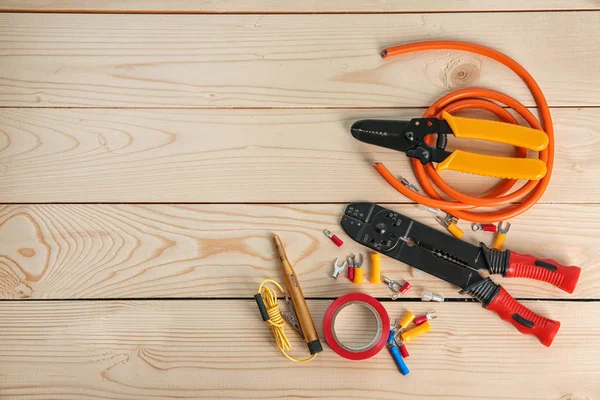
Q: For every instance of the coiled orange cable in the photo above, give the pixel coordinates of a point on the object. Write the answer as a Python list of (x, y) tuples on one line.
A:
[(462, 205)]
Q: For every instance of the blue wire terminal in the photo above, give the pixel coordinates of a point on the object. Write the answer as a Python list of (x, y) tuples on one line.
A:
[(395, 352)]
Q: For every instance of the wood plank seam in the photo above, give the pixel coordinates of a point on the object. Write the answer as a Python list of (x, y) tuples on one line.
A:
[(407, 300), (277, 7), (42, 150), (334, 59), (268, 12), (156, 350), (140, 251)]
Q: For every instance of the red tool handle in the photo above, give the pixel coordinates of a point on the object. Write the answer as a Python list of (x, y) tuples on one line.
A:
[(542, 269), (522, 318)]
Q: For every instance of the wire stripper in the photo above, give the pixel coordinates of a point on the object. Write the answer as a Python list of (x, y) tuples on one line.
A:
[(458, 262), (413, 138)]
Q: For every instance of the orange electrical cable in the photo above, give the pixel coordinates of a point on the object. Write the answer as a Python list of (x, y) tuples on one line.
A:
[(461, 204)]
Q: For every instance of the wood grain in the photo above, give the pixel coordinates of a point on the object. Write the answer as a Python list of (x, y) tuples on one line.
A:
[(241, 156), (270, 98), (68, 60), (275, 6), (222, 349), (140, 251)]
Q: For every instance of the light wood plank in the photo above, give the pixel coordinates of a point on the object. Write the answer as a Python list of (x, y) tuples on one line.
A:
[(222, 349), (286, 60), (122, 251), (58, 155), (271, 6)]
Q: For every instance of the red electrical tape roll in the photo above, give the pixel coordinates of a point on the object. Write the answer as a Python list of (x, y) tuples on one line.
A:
[(372, 304)]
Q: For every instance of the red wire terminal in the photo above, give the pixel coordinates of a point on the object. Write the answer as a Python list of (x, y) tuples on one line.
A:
[(424, 318), (489, 227), (403, 350), (396, 287), (338, 242), (405, 287), (483, 227)]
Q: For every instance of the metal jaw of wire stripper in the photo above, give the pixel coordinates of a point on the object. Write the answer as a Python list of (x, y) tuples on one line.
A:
[(291, 318), (337, 269)]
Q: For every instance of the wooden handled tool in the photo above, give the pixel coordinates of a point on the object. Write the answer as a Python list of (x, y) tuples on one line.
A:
[(293, 287)]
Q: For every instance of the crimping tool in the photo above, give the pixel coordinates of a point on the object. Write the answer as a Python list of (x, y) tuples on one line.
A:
[(459, 263), (413, 138)]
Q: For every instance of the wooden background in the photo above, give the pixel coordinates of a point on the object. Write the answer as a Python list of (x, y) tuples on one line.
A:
[(148, 150)]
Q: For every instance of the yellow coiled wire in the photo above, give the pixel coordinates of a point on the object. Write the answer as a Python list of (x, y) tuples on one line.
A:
[(269, 296)]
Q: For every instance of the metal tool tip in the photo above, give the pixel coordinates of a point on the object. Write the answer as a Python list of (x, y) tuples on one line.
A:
[(355, 129)]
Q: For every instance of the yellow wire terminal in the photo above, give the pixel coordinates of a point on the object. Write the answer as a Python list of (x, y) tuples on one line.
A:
[(449, 222), (268, 298), (375, 268), (406, 320), (358, 275), (500, 237), (416, 331), (455, 230)]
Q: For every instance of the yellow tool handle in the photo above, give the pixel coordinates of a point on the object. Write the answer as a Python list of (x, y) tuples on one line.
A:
[(531, 169), (496, 131), (416, 331), (358, 275), (375, 268), (406, 320)]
